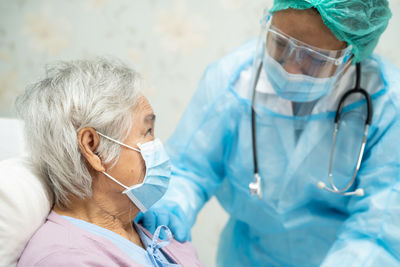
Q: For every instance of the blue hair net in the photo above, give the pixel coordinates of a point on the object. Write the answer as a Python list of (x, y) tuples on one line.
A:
[(357, 22)]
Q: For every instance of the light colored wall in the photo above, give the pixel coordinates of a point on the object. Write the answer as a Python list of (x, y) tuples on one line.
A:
[(169, 41)]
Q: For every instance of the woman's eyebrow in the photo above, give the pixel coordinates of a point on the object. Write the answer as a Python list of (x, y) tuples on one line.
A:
[(150, 118)]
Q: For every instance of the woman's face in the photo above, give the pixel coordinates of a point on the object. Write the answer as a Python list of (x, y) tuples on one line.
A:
[(130, 168), (306, 26)]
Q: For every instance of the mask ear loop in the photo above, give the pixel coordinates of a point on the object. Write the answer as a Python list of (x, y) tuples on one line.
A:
[(122, 144), (115, 180), (118, 142), (109, 176)]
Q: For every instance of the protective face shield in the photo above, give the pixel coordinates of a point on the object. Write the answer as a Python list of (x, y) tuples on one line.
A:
[(316, 70), (158, 173)]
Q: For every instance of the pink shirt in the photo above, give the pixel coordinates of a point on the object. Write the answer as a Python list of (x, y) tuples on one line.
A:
[(59, 242)]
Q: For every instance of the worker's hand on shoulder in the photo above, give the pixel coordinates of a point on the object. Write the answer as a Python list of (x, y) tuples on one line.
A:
[(166, 213)]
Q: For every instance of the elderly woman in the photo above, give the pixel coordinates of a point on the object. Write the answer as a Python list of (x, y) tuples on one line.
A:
[(91, 135)]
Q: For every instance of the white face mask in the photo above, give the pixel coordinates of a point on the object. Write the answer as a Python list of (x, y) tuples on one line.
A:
[(158, 173)]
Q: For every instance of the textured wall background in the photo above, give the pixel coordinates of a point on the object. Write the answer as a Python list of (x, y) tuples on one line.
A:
[(169, 41)]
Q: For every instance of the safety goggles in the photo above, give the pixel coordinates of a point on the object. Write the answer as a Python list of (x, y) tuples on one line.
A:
[(306, 59)]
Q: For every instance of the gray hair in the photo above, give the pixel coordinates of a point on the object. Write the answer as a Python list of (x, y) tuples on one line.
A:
[(97, 93)]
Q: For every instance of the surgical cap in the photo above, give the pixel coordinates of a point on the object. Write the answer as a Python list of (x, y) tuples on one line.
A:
[(357, 22)]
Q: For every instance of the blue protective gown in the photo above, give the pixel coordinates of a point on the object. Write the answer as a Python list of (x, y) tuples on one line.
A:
[(295, 223)]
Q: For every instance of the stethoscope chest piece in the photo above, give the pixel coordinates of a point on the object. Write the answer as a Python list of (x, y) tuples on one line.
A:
[(255, 187)]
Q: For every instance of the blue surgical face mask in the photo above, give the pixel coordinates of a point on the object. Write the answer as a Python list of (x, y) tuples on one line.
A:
[(296, 87), (158, 173)]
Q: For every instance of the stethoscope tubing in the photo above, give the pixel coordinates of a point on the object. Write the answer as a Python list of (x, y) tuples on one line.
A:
[(356, 90), (256, 188)]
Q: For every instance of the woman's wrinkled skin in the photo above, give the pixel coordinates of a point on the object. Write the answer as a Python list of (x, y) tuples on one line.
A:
[(108, 207)]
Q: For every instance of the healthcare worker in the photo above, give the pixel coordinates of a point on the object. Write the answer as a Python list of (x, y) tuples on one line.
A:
[(304, 194)]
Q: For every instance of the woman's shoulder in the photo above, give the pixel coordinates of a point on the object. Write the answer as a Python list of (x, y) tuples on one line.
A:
[(61, 257), (53, 243), (60, 243), (48, 239)]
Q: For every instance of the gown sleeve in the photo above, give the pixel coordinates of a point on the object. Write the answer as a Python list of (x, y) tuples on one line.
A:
[(200, 143), (371, 234)]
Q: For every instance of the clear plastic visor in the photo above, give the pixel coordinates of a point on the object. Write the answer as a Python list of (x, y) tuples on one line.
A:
[(298, 57)]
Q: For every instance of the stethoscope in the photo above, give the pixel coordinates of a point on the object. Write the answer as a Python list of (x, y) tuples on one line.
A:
[(256, 186)]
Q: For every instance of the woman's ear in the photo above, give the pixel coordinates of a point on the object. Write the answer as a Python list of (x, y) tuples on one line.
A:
[(89, 140)]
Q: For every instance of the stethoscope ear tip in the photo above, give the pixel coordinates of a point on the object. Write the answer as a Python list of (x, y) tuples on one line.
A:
[(359, 192), (321, 185)]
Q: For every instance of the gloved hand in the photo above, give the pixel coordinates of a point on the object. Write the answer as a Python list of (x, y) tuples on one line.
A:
[(166, 213)]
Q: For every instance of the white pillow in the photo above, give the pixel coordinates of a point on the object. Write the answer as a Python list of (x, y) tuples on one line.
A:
[(24, 205), (11, 138)]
